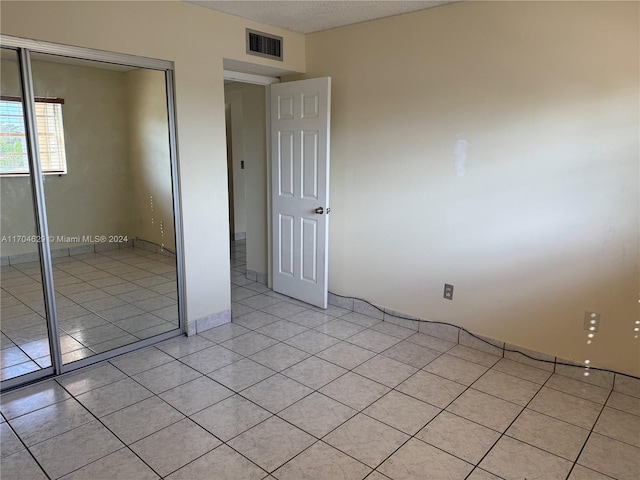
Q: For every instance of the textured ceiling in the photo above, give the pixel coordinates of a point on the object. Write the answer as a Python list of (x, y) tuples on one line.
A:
[(307, 16)]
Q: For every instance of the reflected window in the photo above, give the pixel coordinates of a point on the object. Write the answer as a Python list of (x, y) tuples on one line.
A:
[(13, 143)]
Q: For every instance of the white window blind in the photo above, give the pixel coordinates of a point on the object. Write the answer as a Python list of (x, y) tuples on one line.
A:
[(13, 143)]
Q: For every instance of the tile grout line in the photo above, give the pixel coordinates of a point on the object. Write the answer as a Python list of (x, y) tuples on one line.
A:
[(317, 391), (589, 436), (414, 436), (27, 449), (504, 433), (470, 387), (127, 446), (103, 425), (245, 357), (80, 280), (361, 411)]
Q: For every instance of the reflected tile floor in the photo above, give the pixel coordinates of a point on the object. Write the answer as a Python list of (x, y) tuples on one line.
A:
[(104, 299), (287, 391)]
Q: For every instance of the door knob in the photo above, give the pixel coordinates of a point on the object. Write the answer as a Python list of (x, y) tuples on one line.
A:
[(319, 210)]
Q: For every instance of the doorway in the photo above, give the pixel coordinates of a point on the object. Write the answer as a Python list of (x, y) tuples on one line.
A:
[(293, 193), (247, 144)]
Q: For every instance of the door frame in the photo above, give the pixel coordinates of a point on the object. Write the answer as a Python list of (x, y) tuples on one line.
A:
[(265, 81)]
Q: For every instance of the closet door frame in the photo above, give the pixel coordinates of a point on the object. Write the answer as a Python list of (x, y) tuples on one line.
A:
[(24, 47)]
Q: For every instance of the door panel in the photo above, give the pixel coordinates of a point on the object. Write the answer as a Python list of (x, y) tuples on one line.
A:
[(110, 204), (285, 240), (285, 163), (310, 105), (310, 165), (309, 249), (300, 121), (285, 107), (24, 338), (88, 264)]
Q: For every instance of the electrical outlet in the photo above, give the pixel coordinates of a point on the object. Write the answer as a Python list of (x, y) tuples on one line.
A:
[(448, 291), (591, 321)]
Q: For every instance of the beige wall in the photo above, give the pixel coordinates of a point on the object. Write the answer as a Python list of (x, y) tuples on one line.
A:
[(493, 146), (149, 157), (249, 143), (234, 100), (197, 40), (93, 198)]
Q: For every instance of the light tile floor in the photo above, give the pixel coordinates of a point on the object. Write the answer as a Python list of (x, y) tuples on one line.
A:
[(104, 300), (288, 391)]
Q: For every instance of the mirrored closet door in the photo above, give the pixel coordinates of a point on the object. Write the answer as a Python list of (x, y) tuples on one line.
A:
[(108, 196), (24, 333)]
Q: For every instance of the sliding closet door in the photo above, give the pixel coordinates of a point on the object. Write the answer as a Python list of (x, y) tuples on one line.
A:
[(105, 153), (24, 333)]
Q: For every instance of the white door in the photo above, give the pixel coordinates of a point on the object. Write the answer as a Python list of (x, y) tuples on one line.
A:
[(300, 120)]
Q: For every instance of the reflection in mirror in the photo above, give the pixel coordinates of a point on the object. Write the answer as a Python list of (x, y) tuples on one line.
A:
[(109, 202), (24, 334)]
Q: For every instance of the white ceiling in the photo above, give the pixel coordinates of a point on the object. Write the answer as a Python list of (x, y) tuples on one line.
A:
[(307, 16)]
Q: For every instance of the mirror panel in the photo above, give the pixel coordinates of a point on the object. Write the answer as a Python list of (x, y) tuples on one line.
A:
[(24, 336), (105, 154)]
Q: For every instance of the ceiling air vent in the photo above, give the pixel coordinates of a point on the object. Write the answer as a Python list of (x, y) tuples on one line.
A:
[(264, 45)]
